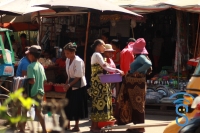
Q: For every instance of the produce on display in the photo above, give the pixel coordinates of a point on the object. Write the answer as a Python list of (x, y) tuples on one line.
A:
[(48, 86), (59, 87), (46, 62)]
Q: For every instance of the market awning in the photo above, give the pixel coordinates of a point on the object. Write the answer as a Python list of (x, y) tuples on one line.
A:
[(14, 19), (149, 6), (52, 13), (87, 5), (19, 7)]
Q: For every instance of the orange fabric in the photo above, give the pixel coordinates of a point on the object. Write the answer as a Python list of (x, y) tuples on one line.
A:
[(20, 26), (115, 56), (126, 58)]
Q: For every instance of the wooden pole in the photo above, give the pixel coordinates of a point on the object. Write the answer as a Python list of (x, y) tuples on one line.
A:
[(39, 22), (2, 21), (197, 39), (29, 34), (86, 38)]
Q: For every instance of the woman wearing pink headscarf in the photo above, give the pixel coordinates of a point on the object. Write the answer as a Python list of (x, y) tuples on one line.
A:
[(131, 98)]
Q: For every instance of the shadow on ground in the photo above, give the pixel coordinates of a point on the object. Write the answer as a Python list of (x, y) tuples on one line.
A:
[(160, 118)]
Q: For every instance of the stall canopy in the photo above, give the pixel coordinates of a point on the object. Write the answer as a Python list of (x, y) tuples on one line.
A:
[(16, 19), (19, 7), (52, 13), (100, 5), (149, 6)]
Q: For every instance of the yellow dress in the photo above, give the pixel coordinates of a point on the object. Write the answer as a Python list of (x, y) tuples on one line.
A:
[(101, 97)]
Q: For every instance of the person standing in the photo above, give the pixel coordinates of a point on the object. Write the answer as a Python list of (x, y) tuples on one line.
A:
[(21, 72), (108, 54), (100, 92), (23, 45), (37, 77), (131, 98), (22, 66), (105, 37), (116, 54), (75, 86), (14, 44), (126, 56)]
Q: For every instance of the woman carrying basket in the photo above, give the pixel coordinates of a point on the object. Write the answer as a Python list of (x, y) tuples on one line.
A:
[(100, 92)]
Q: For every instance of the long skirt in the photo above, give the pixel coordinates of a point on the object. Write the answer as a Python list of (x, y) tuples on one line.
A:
[(101, 101), (77, 107), (131, 100)]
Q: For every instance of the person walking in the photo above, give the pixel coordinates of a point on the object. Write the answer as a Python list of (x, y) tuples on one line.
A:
[(76, 87), (100, 92), (131, 98), (37, 77)]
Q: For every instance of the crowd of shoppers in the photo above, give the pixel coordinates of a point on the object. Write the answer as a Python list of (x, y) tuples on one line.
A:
[(132, 63)]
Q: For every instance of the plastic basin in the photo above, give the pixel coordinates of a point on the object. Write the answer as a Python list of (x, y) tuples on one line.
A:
[(59, 88), (48, 87), (110, 78), (106, 123)]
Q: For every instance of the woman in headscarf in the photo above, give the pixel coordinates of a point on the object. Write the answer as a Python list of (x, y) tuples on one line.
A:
[(131, 98)]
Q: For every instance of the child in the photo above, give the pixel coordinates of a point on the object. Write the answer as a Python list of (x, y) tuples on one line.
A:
[(36, 76), (108, 54)]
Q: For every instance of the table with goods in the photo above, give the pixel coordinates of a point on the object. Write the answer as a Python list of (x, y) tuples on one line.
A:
[(52, 89), (164, 85)]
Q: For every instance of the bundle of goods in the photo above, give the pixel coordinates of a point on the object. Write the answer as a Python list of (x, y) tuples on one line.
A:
[(160, 94), (46, 62), (170, 80)]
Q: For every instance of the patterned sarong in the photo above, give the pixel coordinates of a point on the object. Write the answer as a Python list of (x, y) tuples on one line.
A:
[(101, 97), (131, 100)]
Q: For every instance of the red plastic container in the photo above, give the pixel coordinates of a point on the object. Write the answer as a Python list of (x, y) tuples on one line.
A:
[(59, 88), (110, 78), (106, 123), (48, 87)]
